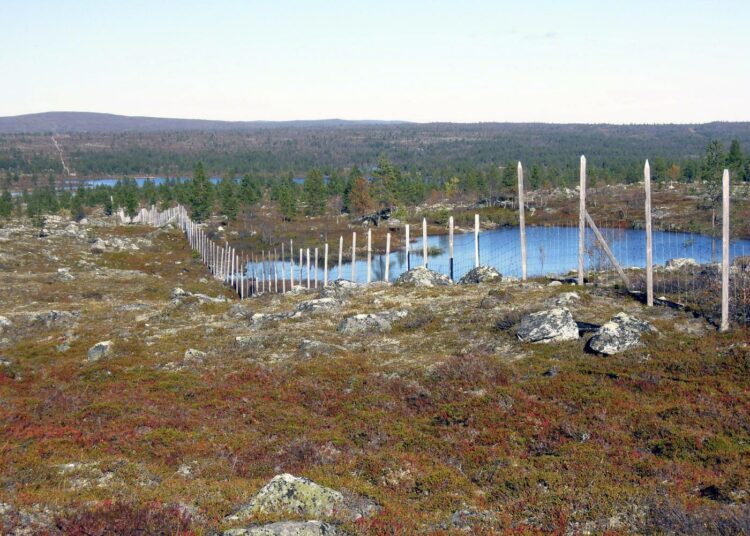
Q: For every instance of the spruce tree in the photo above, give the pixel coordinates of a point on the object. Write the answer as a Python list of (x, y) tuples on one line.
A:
[(315, 193), (6, 204), (250, 192), (201, 194), (287, 198), (228, 197)]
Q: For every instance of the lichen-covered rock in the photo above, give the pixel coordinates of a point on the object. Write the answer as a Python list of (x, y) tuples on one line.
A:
[(340, 288), (480, 274), (289, 494), (310, 348), (194, 356), (320, 304), (49, 318), (100, 350), (619, 334), (99, 246), (178, 293), (5, 324), (552, 325), (288, 528), (564, 299), (370, 323), (680, 263), (423, 277)]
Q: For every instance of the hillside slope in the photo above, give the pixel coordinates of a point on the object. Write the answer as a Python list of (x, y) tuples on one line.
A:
[(443, 423)]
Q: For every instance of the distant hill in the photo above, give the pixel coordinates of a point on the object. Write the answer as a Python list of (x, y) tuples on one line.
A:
[(80, 122)]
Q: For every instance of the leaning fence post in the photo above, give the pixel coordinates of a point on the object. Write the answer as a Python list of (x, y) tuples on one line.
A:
[(369, 256), (424, 242), (649, 239), (354, 256), (522, 220), (408, 261), (476, 240), (450, 246), (387, 255), (582, 220), (325, 265), (725, 252)]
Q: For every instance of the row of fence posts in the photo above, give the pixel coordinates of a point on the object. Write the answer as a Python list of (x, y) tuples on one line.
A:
[(232, 268), (227, 265)]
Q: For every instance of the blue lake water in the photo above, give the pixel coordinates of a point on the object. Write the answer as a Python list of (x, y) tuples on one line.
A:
[(550, 250)]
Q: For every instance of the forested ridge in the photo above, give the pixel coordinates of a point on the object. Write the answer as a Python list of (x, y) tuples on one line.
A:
[(435, 151)]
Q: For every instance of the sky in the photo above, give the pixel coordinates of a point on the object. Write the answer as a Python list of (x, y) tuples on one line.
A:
[(564, 61)]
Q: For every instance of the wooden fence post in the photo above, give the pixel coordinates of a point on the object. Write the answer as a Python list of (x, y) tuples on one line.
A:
[(308, 268), (325, 265), (275, 271), (476, 240), (301, 268), (369, 256), (725, 251), (315, 268), (291, 265), (283, 270), (341, 257), (582, 220), (387, 256), (408, 260), (649, 239), (450, 246), (424, 242), (354, 256), (522, 220)]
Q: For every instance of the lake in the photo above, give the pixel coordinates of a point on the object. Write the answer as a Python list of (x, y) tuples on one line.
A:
[(551, 250)]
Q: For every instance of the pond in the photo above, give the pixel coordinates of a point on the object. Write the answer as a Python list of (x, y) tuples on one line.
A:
[(550, 250)]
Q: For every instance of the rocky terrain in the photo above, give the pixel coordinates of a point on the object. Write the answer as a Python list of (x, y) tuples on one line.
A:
[(137, 395)]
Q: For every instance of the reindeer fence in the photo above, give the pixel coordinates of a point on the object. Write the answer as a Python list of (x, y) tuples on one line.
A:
[(679, 269)]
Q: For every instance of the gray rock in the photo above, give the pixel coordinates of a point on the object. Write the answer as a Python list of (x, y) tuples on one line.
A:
[(193, 356), (99, 246), (680, 263), (289, 494), (178, 293), (619, 334), (49, 318), (238, 310), (5, 324), (341, 288), (320, 304), (100, 350), (310, 348), (370, 323), (260, 318), (5, 362), (63, 274), (480, 274), (423, 277), (552, 325), (554, 283), (564, 299), (288, 528)]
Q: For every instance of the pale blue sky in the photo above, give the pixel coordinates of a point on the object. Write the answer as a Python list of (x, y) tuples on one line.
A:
[(471, 60)]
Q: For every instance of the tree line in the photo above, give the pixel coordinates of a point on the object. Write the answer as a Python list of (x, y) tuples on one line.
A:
[(353, 190)]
